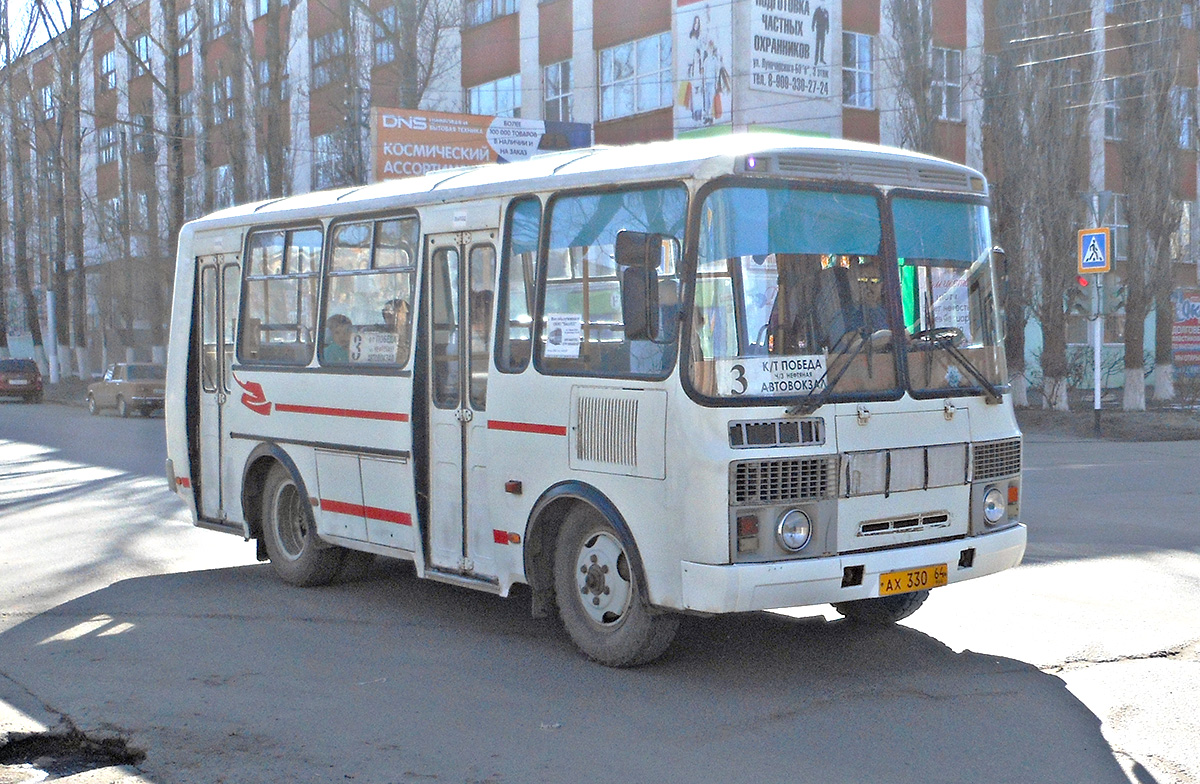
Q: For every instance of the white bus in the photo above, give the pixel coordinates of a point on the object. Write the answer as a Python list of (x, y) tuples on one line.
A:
[(705, 376)]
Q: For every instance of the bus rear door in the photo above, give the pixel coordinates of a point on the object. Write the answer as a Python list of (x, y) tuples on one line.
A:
[(460, 291), (220, 286)]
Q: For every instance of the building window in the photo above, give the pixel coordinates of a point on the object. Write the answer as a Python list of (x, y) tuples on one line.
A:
[(385, 35), (1118, 221), (110, 218), (108, 70), (858, 63), (477, 12), (267, 96), (326, 154), (143, 135), (223, 186), (139, 58), (635, 77), (222, 99), (49, 103), (1183, 99), (501, 98), (1185, 16), (329, 59), (1113, 92), (263, 7), (557, 92), (946, 90), (222, 14), (107, 142), (185, 26), (187, 110)]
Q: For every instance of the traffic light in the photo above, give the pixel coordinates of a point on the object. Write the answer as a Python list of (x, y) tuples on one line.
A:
[(1079, 296)]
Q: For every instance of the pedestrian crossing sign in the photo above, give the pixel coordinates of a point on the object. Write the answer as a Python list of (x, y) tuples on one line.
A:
[(1095, 246)]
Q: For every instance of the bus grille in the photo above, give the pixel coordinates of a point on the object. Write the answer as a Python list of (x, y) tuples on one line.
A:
[(779, 481), (994, 459)]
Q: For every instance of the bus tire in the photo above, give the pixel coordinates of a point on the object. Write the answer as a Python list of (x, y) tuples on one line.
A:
[(882, 610), (599, 598), (289, 532)]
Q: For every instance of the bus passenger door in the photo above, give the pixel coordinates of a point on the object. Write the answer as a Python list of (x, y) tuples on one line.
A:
[(220, 286), (461, 295)]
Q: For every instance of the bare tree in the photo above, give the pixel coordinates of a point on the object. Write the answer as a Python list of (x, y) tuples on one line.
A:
[(12, 52), (909, 55), (1150, 126), (1041, 138)]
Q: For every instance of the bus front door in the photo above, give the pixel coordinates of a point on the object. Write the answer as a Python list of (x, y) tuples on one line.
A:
[(220, 286), (460, 294)]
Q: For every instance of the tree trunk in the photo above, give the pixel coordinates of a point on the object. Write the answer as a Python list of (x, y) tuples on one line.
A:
[(1164, 357), (1135, 363)]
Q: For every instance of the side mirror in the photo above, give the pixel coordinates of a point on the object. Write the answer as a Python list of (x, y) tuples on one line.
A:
[(1000, 263), (638, 256)]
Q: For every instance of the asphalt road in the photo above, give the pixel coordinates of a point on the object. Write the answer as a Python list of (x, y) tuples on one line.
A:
[(1082, 665)]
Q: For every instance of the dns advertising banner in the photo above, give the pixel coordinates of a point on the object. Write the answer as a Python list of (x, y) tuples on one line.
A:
[(1185, 331), (407, 142)]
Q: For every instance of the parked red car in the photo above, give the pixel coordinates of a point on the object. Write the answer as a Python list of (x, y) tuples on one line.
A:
[(21, 378)]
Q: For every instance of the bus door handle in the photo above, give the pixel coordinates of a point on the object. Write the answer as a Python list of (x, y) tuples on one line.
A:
[(464, 415)]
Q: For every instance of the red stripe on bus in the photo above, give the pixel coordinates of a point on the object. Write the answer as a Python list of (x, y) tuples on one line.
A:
[(352, 413), (369, 512), (527, 427)]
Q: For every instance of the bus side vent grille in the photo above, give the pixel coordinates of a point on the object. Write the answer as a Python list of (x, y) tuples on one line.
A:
[(607, 431), (994, 459), (780, 481)]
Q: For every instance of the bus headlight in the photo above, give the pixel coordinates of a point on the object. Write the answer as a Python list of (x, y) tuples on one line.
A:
[(794, 530), (994, 506)]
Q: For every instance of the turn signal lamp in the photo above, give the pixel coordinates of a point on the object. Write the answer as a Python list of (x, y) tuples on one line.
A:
[(747, 533)]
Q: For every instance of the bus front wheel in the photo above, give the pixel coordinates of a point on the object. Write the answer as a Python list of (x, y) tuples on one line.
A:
[(882, 610), (290, 533), (599, 598)]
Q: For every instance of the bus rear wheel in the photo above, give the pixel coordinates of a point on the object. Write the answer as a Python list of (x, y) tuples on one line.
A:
[(599, 595), (289, 532), (882, 610)]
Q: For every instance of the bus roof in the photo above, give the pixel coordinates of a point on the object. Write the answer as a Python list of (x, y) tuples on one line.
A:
[(783, 154)]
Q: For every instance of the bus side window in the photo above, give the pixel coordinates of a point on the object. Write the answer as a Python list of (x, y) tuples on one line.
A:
[(515, 298), (281, 296)]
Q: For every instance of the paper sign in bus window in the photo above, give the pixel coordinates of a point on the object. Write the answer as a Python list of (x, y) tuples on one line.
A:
[(564, 333), (771, 376), (374, 347)]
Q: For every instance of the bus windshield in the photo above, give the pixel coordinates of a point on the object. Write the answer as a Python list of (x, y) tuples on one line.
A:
[(788, 296), (947, 291)]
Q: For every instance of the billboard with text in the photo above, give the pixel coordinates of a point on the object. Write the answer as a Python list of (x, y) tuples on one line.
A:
[(408, 142)]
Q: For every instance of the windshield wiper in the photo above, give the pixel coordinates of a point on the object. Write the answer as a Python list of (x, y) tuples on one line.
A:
[(813, 402), (991, 393)]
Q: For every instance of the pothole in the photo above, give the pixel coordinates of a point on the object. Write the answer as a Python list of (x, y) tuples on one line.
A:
[(61, 755)]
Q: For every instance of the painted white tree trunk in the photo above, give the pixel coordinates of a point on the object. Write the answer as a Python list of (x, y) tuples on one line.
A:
[(1135, 390), (39, 356), (1020, 390), (1164, 382), (1055, 394), (81, 362)]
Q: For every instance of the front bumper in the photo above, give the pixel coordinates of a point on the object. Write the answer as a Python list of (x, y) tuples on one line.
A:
[(744, 587)]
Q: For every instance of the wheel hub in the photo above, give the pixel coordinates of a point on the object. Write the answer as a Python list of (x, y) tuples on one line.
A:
[(604, 587)]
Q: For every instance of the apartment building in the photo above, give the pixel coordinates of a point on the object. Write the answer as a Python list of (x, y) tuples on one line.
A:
[(256, 98)]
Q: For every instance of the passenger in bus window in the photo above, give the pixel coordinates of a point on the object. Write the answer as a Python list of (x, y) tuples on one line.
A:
[(338, 348), (396, 319)]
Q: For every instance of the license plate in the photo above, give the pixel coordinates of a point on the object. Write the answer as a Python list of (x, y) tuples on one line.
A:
[(909, 580), (17, 382)]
